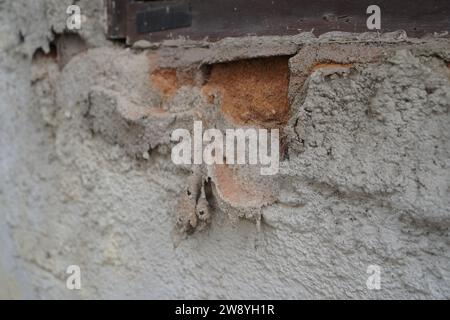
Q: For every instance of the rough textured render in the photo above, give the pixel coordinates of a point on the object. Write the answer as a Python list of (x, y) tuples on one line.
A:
[(87, 178)]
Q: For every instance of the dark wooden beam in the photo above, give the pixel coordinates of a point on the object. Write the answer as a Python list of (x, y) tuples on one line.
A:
[(116, 15), (217, 19)]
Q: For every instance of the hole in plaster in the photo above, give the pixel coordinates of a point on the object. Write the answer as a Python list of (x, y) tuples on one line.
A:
[(51, 54), (68, 46), (166, 81), (253, 91)]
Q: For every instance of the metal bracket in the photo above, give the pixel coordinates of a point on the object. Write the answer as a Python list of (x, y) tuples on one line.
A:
[(163, 16)]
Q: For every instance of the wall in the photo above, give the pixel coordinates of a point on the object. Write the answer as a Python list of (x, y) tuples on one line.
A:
[(87, 177)]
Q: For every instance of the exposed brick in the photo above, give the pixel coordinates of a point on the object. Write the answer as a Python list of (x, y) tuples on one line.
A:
[(241, 191), (253, 92), (166, 81)]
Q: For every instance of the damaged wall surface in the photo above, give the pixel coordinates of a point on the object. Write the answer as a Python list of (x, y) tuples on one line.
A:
[(87, 178)]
